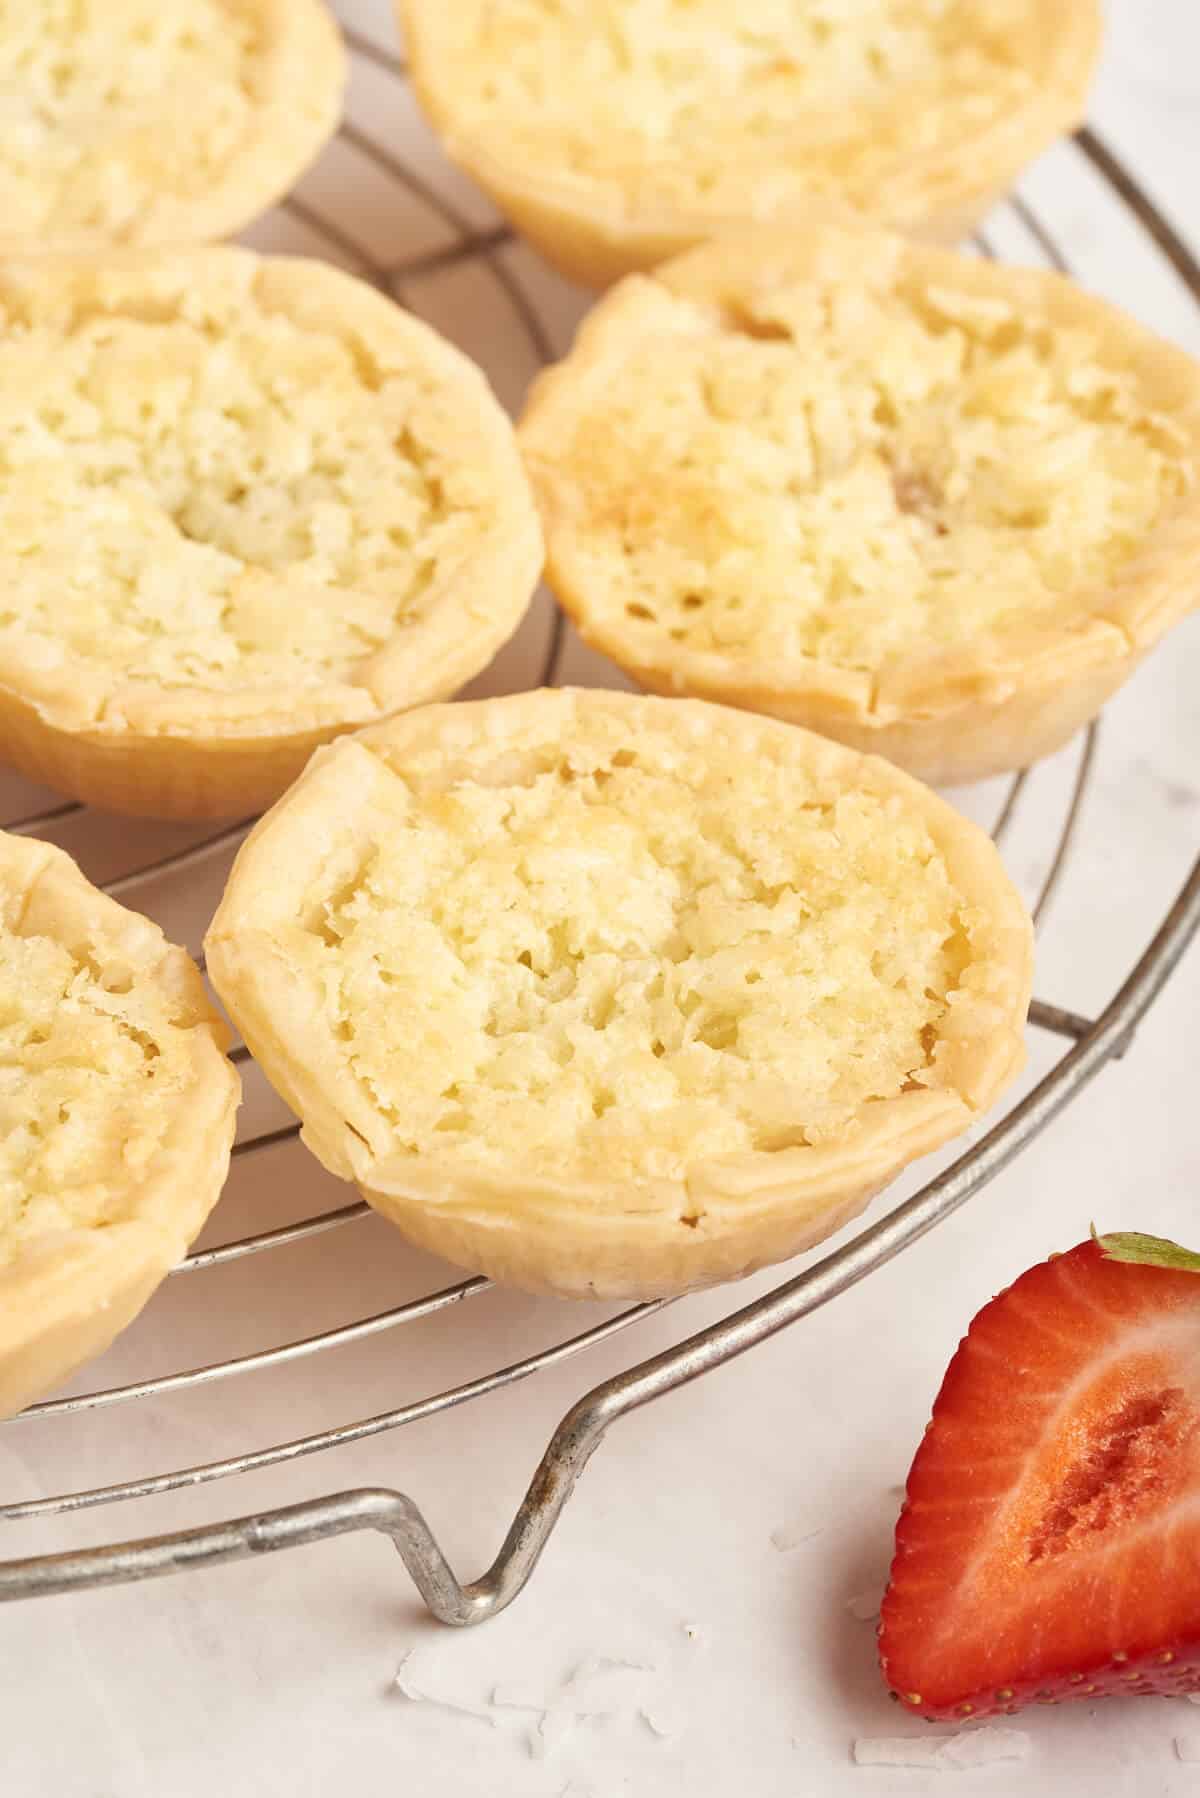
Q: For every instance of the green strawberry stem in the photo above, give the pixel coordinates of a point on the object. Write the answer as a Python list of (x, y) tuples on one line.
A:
[(1146, 1251)]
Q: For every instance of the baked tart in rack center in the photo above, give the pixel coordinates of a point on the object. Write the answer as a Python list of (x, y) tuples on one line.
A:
[(934, 506), (117, 1112), (610, 995)]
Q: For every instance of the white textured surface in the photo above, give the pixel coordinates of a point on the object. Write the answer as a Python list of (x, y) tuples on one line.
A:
[(681, 1552)]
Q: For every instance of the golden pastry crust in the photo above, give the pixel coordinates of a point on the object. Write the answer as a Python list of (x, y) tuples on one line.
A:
[(614, 996), (619, 134), (157, 122), (118, 1114), (931, 506), (246, 503)]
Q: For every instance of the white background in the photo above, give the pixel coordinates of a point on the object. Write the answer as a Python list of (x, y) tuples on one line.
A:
[(276, 1678)]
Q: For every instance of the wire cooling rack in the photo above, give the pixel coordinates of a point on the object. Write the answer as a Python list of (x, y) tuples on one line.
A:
[(415, 229)]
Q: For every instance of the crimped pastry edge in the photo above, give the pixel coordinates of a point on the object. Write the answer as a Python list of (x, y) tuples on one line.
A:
[(957, 714), (67, 1296), (594, 238), (191, 754), (584, 1238)]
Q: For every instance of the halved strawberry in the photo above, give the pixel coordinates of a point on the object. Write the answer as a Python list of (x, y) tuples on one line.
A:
[(1049, 1547)]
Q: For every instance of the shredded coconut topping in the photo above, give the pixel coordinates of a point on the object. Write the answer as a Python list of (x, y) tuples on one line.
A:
[(207, 489), (608, 953), (105, 104), (687, 104), (852, 473), (92, 1057)]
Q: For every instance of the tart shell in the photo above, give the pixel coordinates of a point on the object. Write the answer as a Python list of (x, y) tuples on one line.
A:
[(595, 232), (948, 714), (68, 1293), (298, 77), (590, 1236), (172, 751)]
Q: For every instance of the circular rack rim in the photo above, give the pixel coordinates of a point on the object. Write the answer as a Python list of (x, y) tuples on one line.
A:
[(393, 1513)]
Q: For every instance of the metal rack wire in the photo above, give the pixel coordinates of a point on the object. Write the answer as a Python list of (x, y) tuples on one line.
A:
[(1094, 1041)]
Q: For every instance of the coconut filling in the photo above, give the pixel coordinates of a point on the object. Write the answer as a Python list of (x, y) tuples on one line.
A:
[(682, 106), (618, 960), (853, 475), (92, 1063), (208, 496), (110, 104)]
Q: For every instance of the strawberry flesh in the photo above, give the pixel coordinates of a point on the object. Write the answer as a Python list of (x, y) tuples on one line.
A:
[(1049, 1545)]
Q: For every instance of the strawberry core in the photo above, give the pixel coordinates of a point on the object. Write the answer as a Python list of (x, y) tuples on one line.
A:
[(1129, 1465)]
